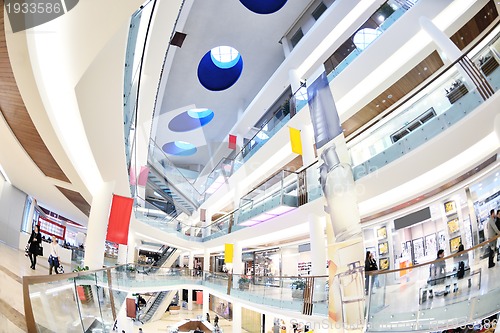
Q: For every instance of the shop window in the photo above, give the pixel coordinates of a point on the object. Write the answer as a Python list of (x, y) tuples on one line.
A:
[(296, 37), (320, 9)]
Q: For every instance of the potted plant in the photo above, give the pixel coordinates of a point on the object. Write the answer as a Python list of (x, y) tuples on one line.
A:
[(244, 282), (298, 287)]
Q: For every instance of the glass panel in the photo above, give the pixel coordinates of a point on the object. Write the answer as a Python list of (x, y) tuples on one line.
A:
[(434, 293), (436, 107), (54, 306), (88, 301)]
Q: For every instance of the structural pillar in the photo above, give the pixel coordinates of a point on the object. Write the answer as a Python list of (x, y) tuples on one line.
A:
[(98, 225), (318, 255), (122, 254), (131, 248), (237, 264), (236, 317), (449, 51), (190, 290), (206, 304)]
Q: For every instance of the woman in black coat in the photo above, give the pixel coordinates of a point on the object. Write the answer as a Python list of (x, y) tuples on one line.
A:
[(35, 242), (370, 265)]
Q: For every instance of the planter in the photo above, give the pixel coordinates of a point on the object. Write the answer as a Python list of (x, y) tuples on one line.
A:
[(298, 293), (244, 286), (174, 309)]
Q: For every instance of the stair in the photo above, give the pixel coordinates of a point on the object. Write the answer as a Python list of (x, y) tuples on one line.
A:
[(154, 307), (169, 192)]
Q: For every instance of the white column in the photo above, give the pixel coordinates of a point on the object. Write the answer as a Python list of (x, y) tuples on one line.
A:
[(206, 304), (31, 213), (286, 46), (318, 255), (236, 317), (190, 290), (307, 137), (132, 245), (449, 51), (294, 78), (237, 259), (206, 260), (98, 225), (122, 254), (237, 264)]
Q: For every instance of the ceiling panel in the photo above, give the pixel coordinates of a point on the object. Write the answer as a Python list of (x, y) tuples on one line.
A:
[(14, 111)]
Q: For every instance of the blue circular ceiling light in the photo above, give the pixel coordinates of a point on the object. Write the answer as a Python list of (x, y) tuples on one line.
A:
[(179, 148), (263, 6), (220, 68), (190, 120)]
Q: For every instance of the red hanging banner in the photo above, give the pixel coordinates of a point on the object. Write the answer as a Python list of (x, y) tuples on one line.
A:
[(232, 141), (119, 219)]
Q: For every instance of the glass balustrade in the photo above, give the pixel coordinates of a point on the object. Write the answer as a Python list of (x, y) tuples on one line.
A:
[(437, 295), (275, 196), (79, 302), (443, 102), (383, 18), (133, 55), (180, 185)]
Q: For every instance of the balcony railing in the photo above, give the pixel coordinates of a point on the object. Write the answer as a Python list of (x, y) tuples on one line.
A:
[(438, 105), (434, 299), (437, 295)]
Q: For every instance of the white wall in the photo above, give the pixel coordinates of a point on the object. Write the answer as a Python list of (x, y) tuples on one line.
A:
[(12, 203)]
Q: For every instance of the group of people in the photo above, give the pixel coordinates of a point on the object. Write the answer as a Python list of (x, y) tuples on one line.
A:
[(216, 320), (34, 249), (491, 230)]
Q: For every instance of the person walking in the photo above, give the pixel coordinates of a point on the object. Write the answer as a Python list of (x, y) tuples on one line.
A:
[(491, 232), (216, 321), (54, 256), (35, 242)]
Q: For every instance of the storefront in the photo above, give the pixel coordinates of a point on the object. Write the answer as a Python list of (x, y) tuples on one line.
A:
[(416, 236)]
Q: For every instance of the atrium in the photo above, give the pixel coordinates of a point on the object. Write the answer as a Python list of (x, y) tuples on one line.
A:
[(240, 158)]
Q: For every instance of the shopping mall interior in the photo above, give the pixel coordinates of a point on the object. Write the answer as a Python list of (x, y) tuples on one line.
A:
[(226, 166)]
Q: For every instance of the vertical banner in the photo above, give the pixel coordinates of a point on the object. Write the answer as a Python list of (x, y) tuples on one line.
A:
[(295, 141), (324, 116), (228, 253), (143, 176), (232, 141), (130, 308), (119, 219), (203, 214)]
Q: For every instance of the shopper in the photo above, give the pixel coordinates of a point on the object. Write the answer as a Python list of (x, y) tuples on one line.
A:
[(35, 242), (437, 269), (54, 256), (208, 317), (216, 321), (370, 265), (491, 232), (497, 220)]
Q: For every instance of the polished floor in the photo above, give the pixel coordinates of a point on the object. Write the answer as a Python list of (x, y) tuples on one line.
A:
[(14, 265)]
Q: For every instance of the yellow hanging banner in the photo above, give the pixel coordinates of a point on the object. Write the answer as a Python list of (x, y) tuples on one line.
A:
[(295, 140), (228, 253)]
